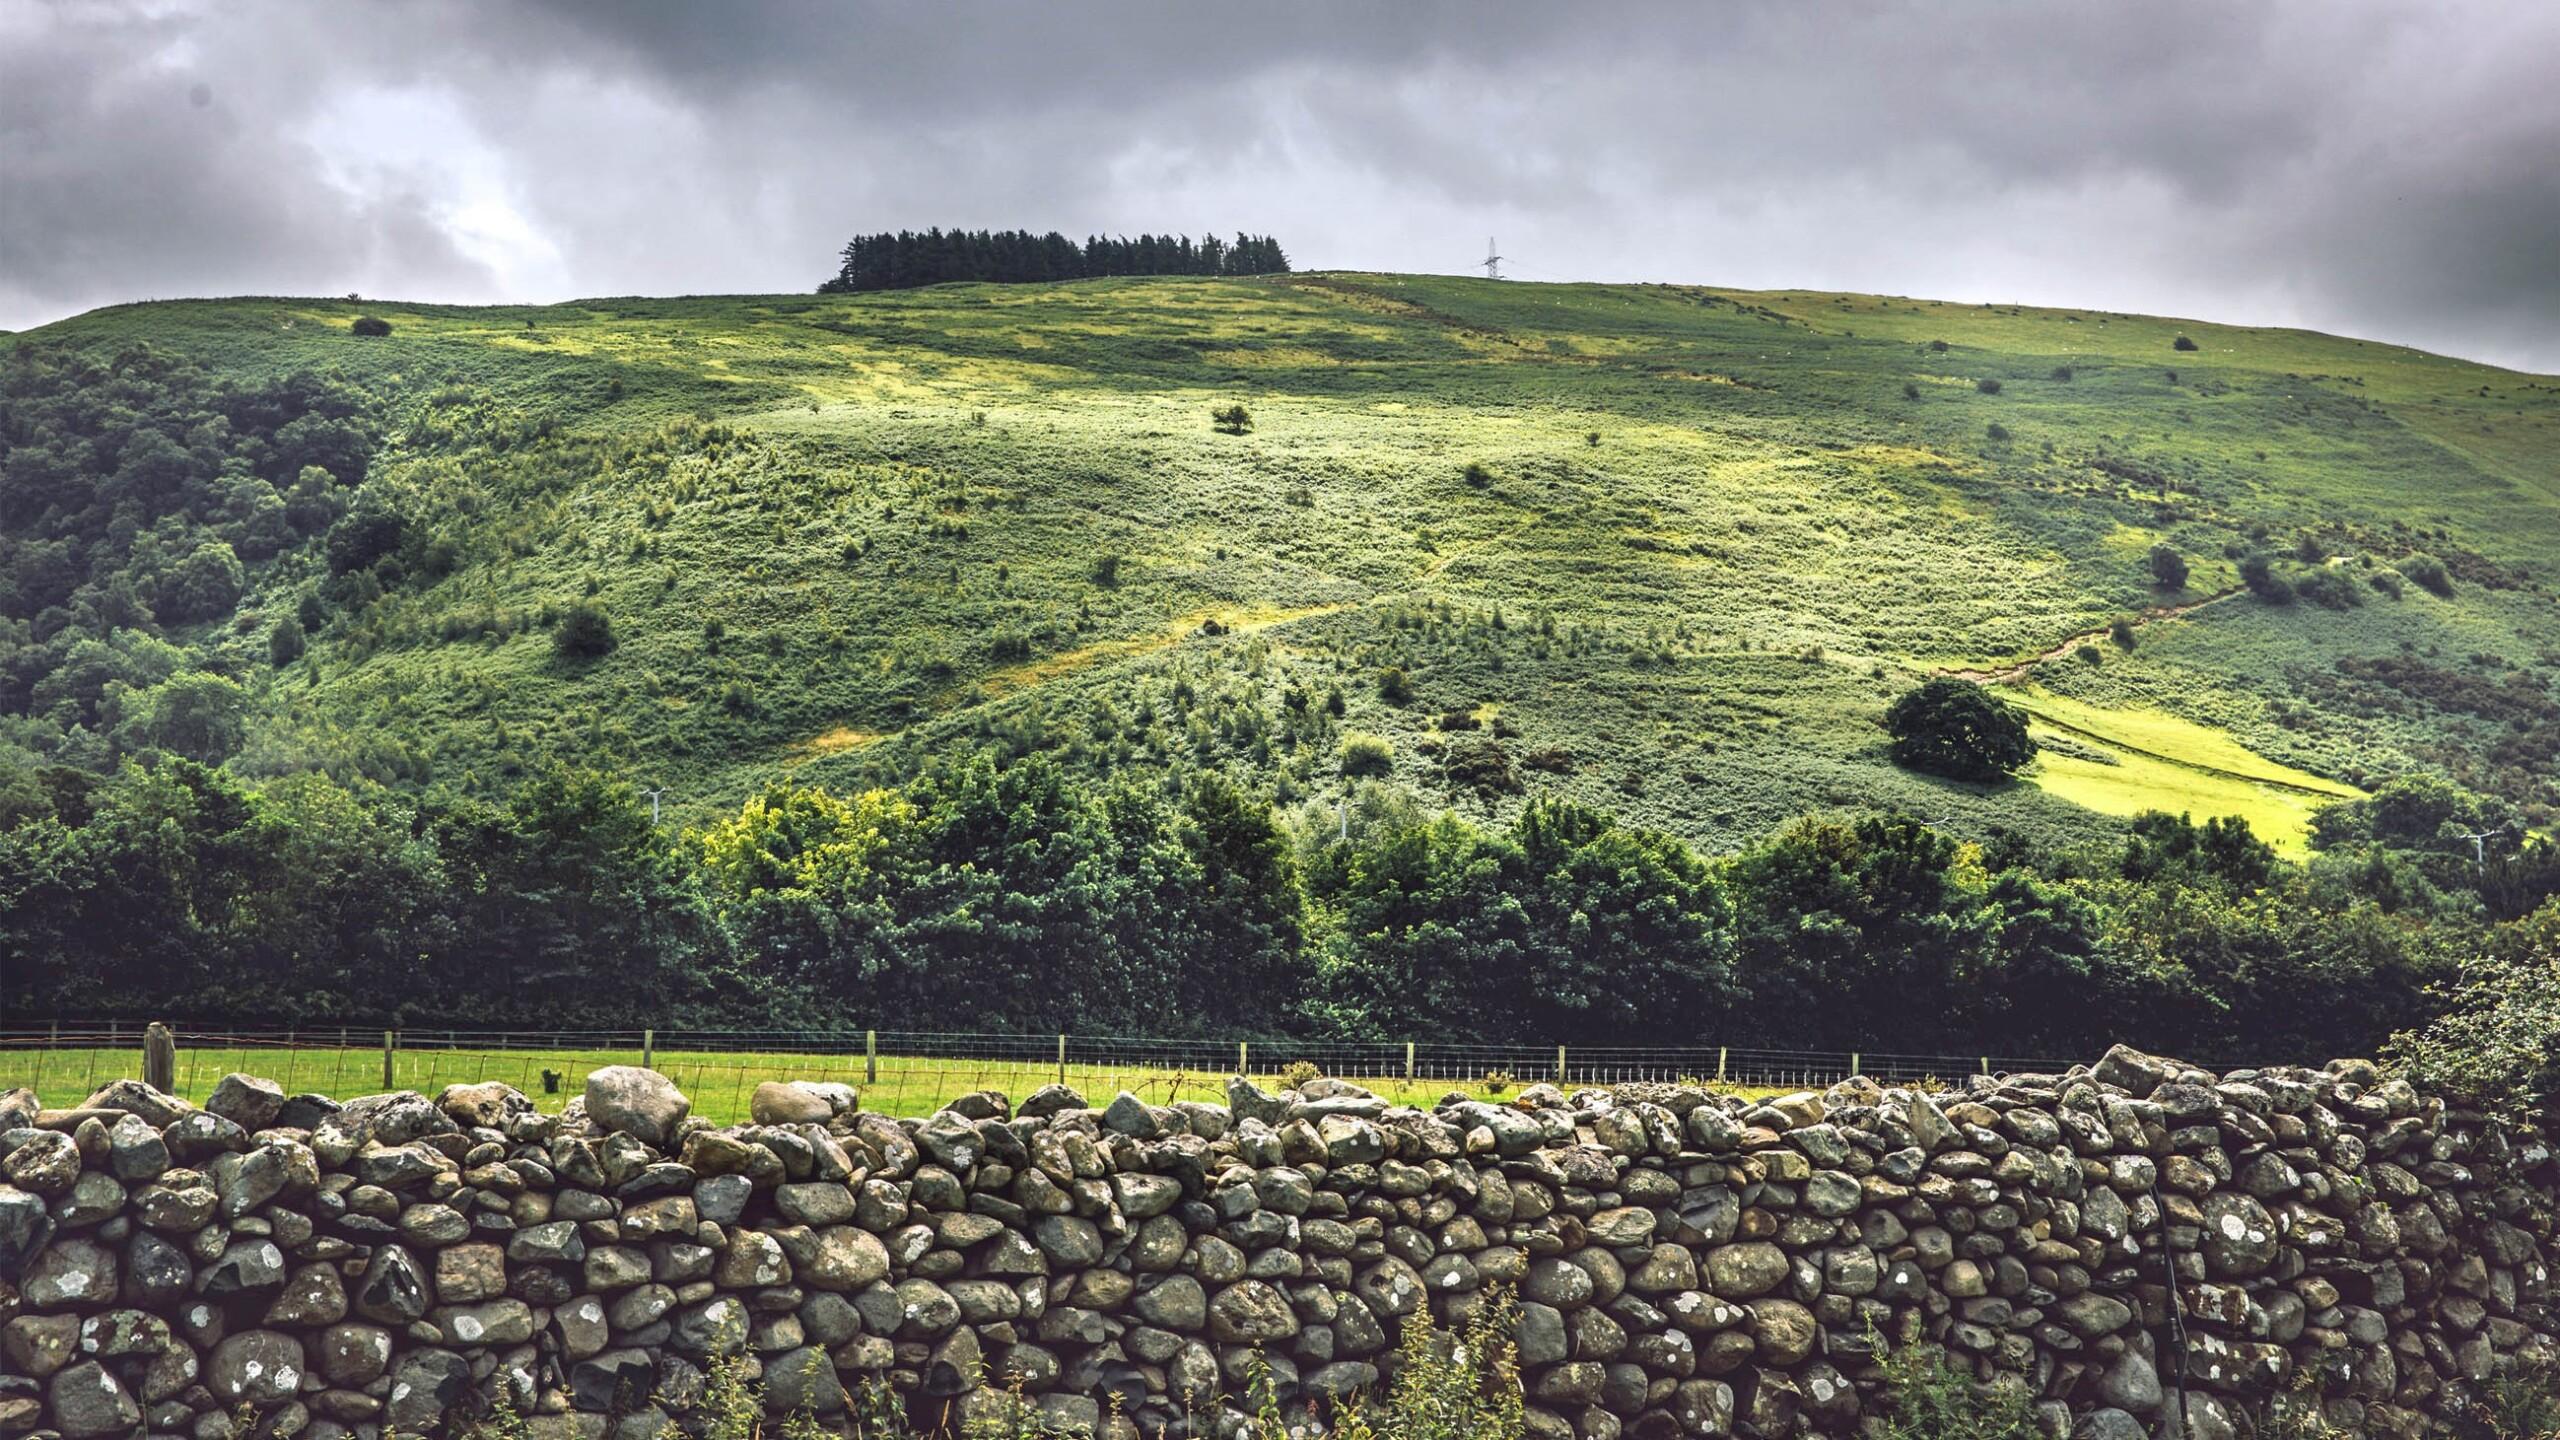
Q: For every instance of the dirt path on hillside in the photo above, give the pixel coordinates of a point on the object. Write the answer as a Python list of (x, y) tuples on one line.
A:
[(2011, 674)]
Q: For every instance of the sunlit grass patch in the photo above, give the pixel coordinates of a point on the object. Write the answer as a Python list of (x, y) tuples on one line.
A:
[(2173, 740), (2125, 783), (2126, 761)]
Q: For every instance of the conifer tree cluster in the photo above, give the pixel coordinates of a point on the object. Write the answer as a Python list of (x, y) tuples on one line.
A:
[(911, 258)]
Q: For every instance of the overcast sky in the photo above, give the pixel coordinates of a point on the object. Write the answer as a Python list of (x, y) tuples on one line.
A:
[(2381, 170)]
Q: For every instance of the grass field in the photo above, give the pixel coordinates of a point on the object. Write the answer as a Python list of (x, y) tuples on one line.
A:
[(1685, 543), (719, 1083), (2123, 761)]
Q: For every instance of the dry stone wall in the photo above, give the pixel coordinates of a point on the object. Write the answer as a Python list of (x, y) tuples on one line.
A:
[(1684, 1264)]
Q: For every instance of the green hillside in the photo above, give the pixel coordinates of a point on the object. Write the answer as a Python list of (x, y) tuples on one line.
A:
[(1665, 550)]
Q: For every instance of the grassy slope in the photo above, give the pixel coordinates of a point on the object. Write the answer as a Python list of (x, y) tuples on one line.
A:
[(1716, 537)]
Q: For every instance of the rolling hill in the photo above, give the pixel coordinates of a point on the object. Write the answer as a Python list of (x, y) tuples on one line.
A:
[(1667, 550)]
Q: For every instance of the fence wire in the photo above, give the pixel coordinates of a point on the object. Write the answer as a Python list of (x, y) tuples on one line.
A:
[(907, 1072)]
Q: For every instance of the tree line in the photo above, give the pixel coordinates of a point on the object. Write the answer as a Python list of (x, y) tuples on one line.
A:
[(1015, 897), (909, 258)]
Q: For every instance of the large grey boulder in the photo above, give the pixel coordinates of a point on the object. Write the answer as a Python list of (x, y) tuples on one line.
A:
[(785, 1102), (488, 1105), (246, 1101), (75, 1274), (803, 1380), (87, 1401), (1250, 1312), (2133, 1072), (25, 1225), (158, 1107), (425, 1385), (643, 1104), (256, 1367)]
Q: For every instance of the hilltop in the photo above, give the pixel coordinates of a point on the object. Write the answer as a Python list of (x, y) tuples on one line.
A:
[(1665, 550)]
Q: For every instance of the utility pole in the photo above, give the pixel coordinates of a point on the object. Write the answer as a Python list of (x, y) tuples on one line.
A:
[(654, 797), (2479, 845), (1492, 261)]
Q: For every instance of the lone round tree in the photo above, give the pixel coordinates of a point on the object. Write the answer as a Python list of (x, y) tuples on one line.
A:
[(1959, 729), (585, 633)]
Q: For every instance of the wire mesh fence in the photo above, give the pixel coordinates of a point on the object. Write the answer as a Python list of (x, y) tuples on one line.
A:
[(905, 1072)]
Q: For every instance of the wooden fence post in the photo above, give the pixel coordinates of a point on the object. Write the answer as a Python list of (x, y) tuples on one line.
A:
[(1408, 1062), (1720, 1054), (1986, 1064), (648, 1049), (1854, 1058), (870, 1057), (160, 1058), (1559, 1065), (389, 1044), (1062, 1058), (1241, 1072)]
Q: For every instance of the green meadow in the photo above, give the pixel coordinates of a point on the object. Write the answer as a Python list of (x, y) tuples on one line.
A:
[(1673, 548), (720, 1083)]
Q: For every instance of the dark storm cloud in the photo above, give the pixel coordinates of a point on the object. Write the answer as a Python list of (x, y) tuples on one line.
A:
[(2376, 170)]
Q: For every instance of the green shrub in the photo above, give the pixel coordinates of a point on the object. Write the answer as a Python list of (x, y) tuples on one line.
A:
[(1927, 1398), (286, 642), (1464, 1386), (1476, 474), (2121, 632), (2330, 588), (1366, 755), (1959, 729), (2387, 581), (1394, 687), (1105, 570), (2168, 567), (1480, 765), (731, 1406), (2429, 574), (2062, 372), (585, 632), (1997, 431), (1298, 1073), (2182, 343), (2520, 1402), (1910, 390), (1231, 419), (2088, 654), (368, 325), (2259, 574), (2496, 1044), (1987, 385), (503, 1422)]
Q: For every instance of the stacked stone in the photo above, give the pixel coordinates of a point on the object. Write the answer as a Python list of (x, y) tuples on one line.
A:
[(1684, 1263)]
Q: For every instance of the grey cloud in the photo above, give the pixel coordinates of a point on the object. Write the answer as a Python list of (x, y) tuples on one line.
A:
[(2357, 167)]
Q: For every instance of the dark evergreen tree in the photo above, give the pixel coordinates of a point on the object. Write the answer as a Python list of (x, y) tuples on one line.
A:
[(907, 259)]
